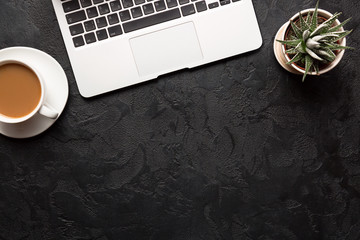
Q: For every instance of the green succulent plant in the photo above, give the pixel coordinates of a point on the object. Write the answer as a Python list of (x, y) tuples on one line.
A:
[(313, 43)]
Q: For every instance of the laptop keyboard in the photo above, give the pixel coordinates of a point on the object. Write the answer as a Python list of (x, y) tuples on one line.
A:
[(96, 20)]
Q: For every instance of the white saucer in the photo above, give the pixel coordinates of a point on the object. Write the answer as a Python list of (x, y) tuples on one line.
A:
[(57, 91)]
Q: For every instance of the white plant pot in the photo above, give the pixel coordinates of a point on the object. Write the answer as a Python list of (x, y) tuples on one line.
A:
[(283, 58)]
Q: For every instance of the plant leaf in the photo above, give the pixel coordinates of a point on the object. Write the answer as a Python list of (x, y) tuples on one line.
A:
[(296, 58), (317, 30), (306, 35), (325, 26), (326, 54), (308, 63), (316, 67), (332, 19), (313, 55), (310, 43), (308, 19), (301, 47), (337, 27), (291, 51), (331, 53), (296, 29), (304, 26), (291, 43), (342, 35), (314, 18), (323, 36), (335, 46)]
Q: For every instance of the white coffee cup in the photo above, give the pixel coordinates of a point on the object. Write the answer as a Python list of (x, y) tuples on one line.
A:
[(42, 107)]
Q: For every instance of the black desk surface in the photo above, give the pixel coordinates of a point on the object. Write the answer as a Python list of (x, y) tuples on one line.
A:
[(237, 149)]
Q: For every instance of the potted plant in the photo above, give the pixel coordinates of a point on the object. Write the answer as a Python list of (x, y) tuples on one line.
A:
[(312, 42)]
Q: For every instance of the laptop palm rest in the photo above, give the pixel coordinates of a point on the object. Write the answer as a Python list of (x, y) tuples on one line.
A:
[(166, 50)]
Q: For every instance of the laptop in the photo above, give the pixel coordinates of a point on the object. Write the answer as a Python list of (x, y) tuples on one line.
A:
[(113, 44)]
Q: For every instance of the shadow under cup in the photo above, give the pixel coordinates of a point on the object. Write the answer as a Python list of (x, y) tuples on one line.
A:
[(21, 91)]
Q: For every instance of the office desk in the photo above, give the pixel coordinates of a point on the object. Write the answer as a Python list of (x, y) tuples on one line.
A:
[(237, 149)]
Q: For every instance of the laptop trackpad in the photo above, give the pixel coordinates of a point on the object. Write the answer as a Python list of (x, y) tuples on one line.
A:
[(166, 50)]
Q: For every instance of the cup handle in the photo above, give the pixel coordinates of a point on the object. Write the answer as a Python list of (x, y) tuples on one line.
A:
[(47, 112)]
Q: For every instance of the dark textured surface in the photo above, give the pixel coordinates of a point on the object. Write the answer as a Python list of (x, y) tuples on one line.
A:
[(238, 149)]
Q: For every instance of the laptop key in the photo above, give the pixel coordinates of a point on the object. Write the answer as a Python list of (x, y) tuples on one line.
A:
[(127, 3), (78, 41), (113, 18), (115, 31), (224, 2), (89, 25), (136, 12), (188, 10), (101, 34), (115, 6), (104, 9), (213, 5), (160, 5), (137, 2), (101, 22), (201, 6), (76, 29), (90, 38), (151, 20), (148, 8), (182, 2), (71, 6), (124, 15), (171, 3), (92, 12), (97, 1), (85, 3), (75, 17)]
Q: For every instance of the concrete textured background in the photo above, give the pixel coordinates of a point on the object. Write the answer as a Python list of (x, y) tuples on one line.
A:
[(237, 149)]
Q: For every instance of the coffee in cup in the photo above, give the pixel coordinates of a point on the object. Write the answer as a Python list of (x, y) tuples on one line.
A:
[(21, 92)]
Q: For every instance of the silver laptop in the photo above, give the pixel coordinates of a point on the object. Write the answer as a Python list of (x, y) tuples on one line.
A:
[(117, 43)]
